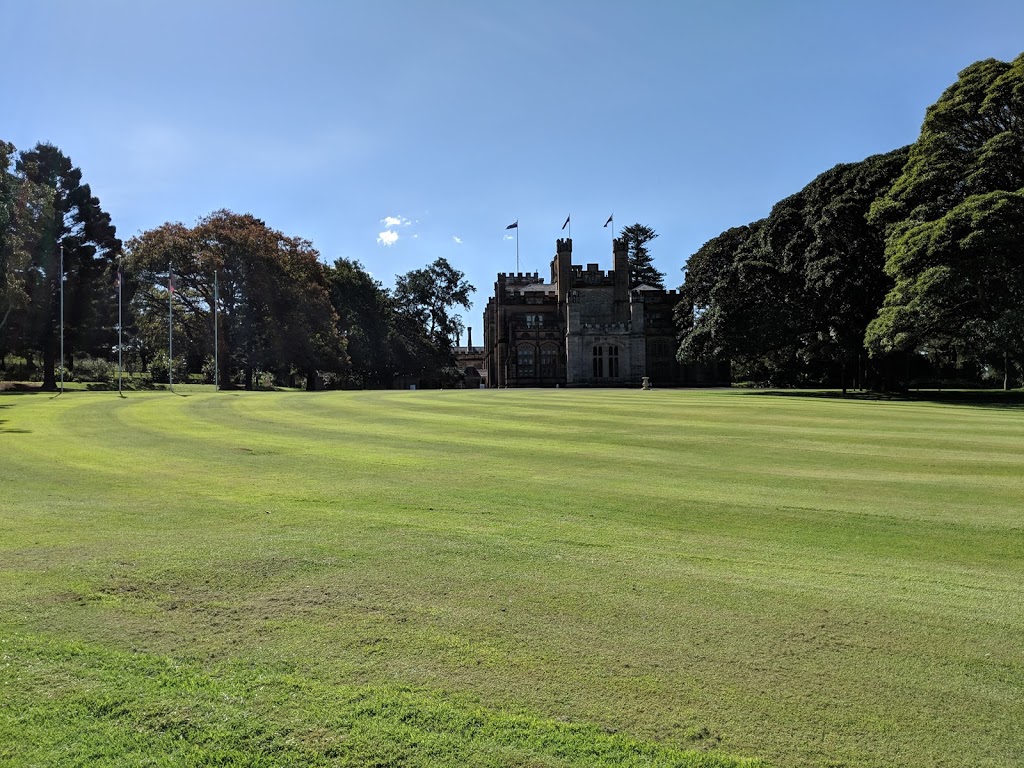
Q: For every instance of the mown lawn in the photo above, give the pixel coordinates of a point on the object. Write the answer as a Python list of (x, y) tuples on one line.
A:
[(510, 578)]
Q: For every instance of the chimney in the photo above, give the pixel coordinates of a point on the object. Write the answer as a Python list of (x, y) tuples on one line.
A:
[(469, 341)]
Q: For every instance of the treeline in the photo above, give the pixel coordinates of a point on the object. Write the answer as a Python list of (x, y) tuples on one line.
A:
[(265, 299), (902, 266)]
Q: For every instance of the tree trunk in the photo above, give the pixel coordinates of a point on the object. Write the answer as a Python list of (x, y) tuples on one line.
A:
[(49, 367), (311, 381), (1006, 371), (842, 375), (248, 378)]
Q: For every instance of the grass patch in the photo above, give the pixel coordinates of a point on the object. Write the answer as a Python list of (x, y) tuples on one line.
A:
[(510, 578), (79, 705)]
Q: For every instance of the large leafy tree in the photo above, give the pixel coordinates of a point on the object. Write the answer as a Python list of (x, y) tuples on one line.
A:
[(366, 312), (641, 264), (272, 295), (60, 212), (431, 294), (844, 277), (788, 298), (954, 224), (13, 256), (712, 315), (424, 327)]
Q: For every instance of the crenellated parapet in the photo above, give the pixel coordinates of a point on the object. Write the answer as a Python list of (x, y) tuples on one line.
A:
[(520, 278)]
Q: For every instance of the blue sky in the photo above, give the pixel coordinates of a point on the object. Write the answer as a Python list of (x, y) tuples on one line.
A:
[(397, 132)]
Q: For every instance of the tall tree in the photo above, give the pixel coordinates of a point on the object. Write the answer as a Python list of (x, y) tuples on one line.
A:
[(424, 328), (430, 294), (274, 307), (71, 217), (844, 276), (13, 257), (954, 225), (788, 298), (641, 263), (365, 316)]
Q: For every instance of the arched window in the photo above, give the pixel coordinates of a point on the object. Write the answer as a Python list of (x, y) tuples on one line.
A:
[(598, 362), (613, 362)]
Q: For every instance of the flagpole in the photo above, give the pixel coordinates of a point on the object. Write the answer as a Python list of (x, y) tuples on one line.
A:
[(170, 326), (216, 337), (515, 225), (120, 346), (62, 316)]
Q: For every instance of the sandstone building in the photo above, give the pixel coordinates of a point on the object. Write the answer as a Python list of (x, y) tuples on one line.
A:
[(585, 327)]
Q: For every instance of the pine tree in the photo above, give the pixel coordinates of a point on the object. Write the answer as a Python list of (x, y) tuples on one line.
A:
[(641, 264)]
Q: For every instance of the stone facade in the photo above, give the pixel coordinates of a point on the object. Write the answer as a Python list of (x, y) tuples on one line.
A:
[(470, 360), (584, 327)]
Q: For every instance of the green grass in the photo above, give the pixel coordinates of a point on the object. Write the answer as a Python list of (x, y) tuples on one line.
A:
[(510, 578)]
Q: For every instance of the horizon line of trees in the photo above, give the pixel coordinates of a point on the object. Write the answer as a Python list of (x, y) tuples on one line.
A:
[(279, 309), (873, 273)]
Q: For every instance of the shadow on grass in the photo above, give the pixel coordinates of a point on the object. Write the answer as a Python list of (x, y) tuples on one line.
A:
[(977, 398), (8, 431)]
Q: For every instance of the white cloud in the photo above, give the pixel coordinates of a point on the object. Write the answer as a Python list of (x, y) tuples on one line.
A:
[(395, 221), (508, 237), (387, 238), (457, 239)]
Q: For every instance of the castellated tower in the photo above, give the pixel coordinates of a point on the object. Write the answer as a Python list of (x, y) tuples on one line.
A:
[(584, 327)]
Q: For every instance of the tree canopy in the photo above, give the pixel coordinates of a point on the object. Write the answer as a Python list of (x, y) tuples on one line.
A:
[(788, 298), (273, 303), (953, 222), (46, 211)]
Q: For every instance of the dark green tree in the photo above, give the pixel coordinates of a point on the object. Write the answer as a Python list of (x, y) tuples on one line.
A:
[(953, 225), (641, 263), (13, 258), (710, 313), (424, 328), (274, 306), (788, 298), (65, 214), (844, 277), (430, 294), (365, 312)]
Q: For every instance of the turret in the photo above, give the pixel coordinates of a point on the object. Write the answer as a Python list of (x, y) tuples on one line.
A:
[(561, 267)]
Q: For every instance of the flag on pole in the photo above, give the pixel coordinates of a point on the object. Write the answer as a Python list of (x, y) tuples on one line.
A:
[(118, 277), (513, 225), (609, 220), (566, 221), (170, 282)]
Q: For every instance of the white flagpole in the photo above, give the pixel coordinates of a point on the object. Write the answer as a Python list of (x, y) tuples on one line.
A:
[(216, 337), (62, 316), (170, 326), (120, 346)]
